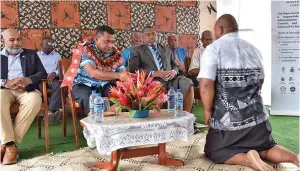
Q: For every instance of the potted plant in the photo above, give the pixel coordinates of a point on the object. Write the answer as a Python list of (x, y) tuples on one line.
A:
[(138, 95)]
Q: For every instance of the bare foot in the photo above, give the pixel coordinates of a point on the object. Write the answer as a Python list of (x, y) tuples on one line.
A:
[(257, 163), (297, 161)]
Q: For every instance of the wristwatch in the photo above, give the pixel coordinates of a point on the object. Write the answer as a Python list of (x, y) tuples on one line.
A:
[(3, 81)]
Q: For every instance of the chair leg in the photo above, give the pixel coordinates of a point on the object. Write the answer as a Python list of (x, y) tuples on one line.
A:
[(46, 130), (63, 103), (64, 122), (39, 126), (46, 117), (74, 117)]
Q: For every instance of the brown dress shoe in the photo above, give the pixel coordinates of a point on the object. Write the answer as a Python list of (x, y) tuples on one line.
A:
[(11, 155), (3, 149)]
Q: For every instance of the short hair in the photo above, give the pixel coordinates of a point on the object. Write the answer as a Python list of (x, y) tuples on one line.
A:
[(100, 30), (148, 27), (45, 38), (173, 35), (203, 34)]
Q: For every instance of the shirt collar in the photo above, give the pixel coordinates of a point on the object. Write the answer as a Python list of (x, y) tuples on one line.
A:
[(232, 34), (4, 52), (43, 53), (154, 44)]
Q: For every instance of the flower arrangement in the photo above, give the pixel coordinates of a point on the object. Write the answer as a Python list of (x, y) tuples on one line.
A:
[(139, 93)]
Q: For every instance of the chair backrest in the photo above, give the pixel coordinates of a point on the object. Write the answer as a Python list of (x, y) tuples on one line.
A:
[(63, 66), (187, 62)]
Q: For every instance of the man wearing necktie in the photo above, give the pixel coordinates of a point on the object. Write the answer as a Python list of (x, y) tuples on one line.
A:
[(159, 61), (179, 53)]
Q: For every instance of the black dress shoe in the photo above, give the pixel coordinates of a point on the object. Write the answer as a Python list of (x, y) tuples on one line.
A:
[(196, 130)]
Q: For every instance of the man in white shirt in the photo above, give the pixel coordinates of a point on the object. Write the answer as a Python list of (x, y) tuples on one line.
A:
[(231, 79), (49, 59), (206, 39)]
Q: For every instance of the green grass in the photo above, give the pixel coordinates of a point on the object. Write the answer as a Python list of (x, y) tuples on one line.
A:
[(31, 146), (285, 133)]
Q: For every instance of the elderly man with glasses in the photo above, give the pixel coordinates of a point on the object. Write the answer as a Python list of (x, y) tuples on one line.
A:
[(49, 59)]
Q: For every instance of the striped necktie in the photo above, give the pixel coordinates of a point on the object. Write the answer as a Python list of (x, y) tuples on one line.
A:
[(158, 57), (175, 54)]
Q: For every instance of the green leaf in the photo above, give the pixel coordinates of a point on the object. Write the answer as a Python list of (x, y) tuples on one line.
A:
[(149, 106), (118, 109), (125, 107), (114, 100), (131, 113)]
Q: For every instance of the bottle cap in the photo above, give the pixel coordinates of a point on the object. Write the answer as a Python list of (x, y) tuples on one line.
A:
[(178, 90)]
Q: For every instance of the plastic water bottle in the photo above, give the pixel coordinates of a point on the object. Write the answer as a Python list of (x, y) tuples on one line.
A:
[(179, 103), (91, 100), (99, 109), (171, 100)]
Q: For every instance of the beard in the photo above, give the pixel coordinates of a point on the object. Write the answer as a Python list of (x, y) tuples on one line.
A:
[(14, 50)]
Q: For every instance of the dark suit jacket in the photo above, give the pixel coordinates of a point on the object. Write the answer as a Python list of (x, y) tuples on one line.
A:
[(31, 65), (141, 58)]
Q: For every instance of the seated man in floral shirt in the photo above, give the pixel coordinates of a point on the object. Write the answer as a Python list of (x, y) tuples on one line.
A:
[(100, 65)]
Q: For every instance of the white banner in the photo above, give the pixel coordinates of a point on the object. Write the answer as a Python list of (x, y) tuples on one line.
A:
[(285, 58)]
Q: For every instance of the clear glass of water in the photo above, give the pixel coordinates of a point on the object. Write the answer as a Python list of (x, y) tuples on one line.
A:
[(106, 104)]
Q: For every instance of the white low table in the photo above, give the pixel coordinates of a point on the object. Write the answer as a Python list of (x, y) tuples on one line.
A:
[(120, 131)]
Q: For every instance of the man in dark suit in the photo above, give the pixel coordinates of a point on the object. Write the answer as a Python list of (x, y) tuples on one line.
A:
[(159, 61), (21, 74)]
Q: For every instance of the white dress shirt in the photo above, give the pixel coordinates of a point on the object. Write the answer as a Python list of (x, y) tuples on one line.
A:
[(229, 52), (50, 61), (14, 65), (195, 63)]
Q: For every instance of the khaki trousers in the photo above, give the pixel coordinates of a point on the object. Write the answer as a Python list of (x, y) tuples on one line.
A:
[(30, 105)]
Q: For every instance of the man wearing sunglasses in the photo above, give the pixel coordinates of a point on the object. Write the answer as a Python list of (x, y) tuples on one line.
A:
[(49, 59)]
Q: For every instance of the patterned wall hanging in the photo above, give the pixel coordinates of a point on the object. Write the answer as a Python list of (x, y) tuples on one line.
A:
[(69, 21)]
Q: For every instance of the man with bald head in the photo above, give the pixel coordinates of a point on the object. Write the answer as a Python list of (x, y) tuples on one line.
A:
[(137, 40), (206, 39), (21, 74), (231, 78), (179, 53), (49, 58)]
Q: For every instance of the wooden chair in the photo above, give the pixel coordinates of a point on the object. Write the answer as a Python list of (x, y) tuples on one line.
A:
[(67, 99), (14, 109), (187, 62)]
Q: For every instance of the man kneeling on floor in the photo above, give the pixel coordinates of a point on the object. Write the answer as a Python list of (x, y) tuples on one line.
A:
[(21, 74), (231, 79)]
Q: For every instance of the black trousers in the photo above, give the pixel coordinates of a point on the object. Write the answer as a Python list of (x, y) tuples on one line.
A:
[(54, 99), (81, 94)]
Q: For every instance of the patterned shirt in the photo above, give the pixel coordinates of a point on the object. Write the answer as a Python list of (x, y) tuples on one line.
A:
[(236, 67), (126, 55), (82, 76)]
